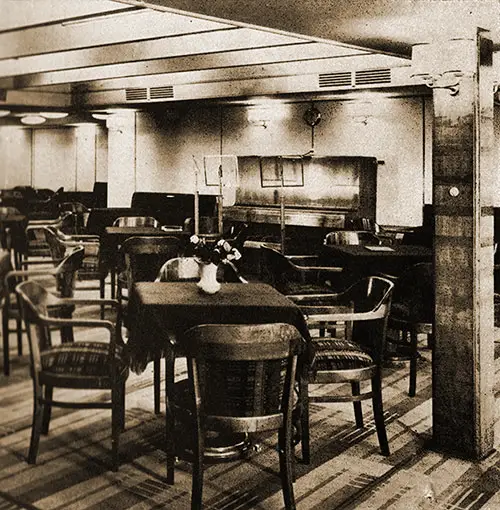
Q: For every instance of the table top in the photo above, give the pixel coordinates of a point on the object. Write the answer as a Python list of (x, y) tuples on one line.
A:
[(140, 231), (160, 308), (397, 250)]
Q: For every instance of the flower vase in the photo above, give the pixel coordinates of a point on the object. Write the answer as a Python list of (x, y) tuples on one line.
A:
[(208, 279)]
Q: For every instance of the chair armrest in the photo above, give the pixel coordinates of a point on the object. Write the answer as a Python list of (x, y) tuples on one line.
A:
[(79, 237)]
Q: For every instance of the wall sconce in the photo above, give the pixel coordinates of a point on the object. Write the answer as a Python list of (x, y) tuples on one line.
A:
[(33, 120), (263, 114)]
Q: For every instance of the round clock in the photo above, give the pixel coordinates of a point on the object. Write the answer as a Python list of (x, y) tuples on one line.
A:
[(312, 116)]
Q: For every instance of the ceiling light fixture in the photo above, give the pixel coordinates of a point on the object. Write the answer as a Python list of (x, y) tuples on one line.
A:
[(54, 115), (33, 120), (101, 116), (4, 113)]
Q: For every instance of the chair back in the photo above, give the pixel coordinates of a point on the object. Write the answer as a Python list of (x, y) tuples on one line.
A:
[(179, 269), (136, 221), (56, 246), (242, 371), (66, 271), (277, 269), (362, 237), (364, 307), (144, 256), (5, 267)]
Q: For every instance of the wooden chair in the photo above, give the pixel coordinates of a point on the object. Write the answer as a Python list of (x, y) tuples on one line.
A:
[(142, 257), (412, 314), (93, 267), (64, 274), (296, 274), (363, 237), (77, 365), (240, 380), (136, 221), (350, 348)]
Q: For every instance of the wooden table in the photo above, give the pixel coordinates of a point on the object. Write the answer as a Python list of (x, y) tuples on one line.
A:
[(368, 260), (162, 311)]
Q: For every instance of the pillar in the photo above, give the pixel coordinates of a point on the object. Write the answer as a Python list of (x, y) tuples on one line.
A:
[(121, 158), (460, 74)]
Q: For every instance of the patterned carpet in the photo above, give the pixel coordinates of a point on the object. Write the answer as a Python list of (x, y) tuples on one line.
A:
[(346, 472)]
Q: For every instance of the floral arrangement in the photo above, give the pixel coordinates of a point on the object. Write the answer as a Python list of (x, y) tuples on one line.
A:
[(220, 252)]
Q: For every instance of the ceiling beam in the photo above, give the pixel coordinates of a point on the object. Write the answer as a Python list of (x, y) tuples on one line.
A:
[(258, 57), (104, 29)]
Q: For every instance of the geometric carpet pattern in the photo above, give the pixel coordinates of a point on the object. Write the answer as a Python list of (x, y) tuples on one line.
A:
[(346, 470)]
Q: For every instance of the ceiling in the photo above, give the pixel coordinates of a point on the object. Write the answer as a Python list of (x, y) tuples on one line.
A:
[(96, 53)]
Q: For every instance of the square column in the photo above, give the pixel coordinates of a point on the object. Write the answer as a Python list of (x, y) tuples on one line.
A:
[(463, 403), (121, 158)]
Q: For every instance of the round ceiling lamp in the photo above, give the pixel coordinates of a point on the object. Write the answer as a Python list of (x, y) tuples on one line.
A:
[(54, 115), (101, 116), (4, 113), (33, 120)]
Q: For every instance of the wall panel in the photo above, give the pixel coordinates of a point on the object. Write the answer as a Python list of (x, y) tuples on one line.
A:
[(15, 163), (54, 158)]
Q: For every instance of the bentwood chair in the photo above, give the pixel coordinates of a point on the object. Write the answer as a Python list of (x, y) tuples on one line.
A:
[(142, 258), (64, 275), (348, 333), (241, 381), (412, 314), (136, 221), (93, 267), (296, 274), (79, 365)]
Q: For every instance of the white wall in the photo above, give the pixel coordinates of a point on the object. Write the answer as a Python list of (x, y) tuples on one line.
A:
[(54, 159), (394, 134), (15, 160)]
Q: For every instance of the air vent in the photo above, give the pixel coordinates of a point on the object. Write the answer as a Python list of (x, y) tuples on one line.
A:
[(136, 94), (335, 79), (166, 92), (372, 77)]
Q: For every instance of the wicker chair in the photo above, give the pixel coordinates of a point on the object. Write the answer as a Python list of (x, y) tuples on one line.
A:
[(136, 221), (240, 380), (77, 365), (412, 314), (296, 274), (64, 274), (348, 332)]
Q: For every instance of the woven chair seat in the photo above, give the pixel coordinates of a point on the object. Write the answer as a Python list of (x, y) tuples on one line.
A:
[(293, 288), (83, 359), (339, 354)]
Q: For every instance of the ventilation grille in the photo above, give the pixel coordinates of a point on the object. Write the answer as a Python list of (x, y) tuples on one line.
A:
[(138, 94), (372, 77), (166, 92), (343, 79), (149, 94)]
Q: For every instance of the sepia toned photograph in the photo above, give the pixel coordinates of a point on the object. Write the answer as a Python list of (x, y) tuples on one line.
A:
[(249, 255)]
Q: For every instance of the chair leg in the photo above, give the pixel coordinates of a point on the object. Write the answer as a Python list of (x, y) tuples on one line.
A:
[(102, 293), (197, 485), (413, 363), (19, 331), (122, 407), (358, 410), (169, 415), (36, 429), (286, 466), (304, 420), (47, 409), (156, 384), (116, 426), (378, 412), (5, 341)]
